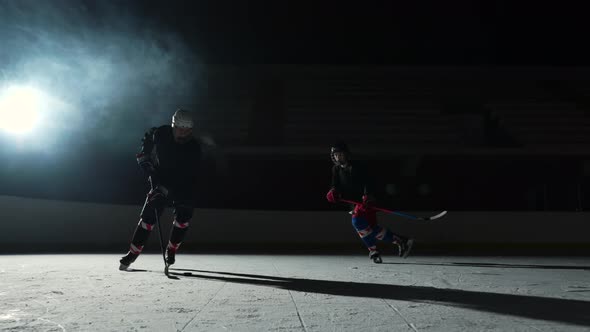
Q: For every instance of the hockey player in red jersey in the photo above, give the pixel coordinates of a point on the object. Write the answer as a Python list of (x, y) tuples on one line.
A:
[(351, 180)]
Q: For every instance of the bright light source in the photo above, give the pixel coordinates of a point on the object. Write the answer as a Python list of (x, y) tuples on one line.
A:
[(19, 109)]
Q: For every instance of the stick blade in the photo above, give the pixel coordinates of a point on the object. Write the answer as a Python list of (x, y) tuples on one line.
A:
[(440, 215), (167, 273)]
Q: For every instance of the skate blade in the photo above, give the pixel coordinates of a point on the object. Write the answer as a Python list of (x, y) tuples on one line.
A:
[(123, 267)]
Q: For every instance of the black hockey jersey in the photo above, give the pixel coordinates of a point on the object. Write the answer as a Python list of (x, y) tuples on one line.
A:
[(352, 181), (177, 166)]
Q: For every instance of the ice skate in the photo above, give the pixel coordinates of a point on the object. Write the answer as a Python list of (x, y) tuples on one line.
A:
[(404, 247), (375, 256), (170, 256), (127, 260)]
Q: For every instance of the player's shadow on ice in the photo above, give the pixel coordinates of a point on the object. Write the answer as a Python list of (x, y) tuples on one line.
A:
[(535, 307), (170, 275), (499, 265), (137, 270)]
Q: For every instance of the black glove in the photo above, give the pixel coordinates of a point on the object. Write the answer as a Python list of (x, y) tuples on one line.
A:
[(145, 163), (157, 190)]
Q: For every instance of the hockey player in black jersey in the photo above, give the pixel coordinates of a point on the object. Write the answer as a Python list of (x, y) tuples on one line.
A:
[(171, 157), (351, 180)]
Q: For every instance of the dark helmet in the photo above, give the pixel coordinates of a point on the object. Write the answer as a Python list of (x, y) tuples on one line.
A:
[(339, 147)]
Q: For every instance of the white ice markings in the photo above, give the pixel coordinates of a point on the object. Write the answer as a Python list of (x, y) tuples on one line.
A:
[(41, 318), (412, 326), (205, 306), (294, 303)]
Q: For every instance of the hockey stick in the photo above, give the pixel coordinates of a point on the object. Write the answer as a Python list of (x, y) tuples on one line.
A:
[(161, 236), (440, 215)]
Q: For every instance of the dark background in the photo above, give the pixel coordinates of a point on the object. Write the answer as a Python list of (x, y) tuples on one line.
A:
[(124, 66)]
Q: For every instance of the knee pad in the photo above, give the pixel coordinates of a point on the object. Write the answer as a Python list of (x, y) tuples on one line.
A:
[(181, 224), (145, 225)]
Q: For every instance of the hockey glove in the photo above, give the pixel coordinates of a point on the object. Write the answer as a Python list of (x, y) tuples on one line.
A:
[(158, 192), (145, 163), (333, 196)]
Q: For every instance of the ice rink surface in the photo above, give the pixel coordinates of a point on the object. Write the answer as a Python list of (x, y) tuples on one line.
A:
[(294, 293)]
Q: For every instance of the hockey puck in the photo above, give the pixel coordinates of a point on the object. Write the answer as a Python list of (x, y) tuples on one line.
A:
[(188, 274)]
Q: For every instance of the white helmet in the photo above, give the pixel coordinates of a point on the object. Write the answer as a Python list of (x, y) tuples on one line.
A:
[(182, 119)]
